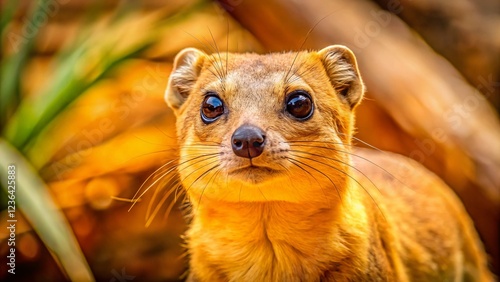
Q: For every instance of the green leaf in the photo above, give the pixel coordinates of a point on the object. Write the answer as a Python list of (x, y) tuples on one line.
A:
[(33, 199), (12, 66), (35, 114), (7, 14)]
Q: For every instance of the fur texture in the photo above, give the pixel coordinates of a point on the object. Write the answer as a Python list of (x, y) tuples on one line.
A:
[(310, 207)]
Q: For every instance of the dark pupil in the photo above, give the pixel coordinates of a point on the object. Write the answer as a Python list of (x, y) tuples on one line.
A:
[(299, 106), (212, 107)]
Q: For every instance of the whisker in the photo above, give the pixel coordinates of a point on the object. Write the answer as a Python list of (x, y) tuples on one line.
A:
[(346, 174), (171, 169), (148, 142), (120, 199), (204, 143), (239, 196), (150, 216), (286, 77), (217, 64), (206, 46), (149, 177), (363, 142), (199, 177), (354, 155), (174, 146), (288, 173), (179, 187), (174, 150), (170, 207), (206, 185), (148, 154), (212, 59), (366, 144), (301, 74), (166, 173), (312, 176), (227, 43), (339, 161), (210, 156), (331, 181), (172, 181), (315, 141), (210, 163), (218, 54), (164, 133), (151, 203), (264, 196)]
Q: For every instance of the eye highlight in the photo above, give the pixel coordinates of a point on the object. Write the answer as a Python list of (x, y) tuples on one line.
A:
[(211, 108), (299, 105)]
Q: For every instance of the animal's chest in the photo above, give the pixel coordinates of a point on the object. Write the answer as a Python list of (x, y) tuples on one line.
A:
[(266, 259)]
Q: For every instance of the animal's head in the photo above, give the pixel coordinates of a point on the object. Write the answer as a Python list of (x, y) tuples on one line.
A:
[(265, 127)]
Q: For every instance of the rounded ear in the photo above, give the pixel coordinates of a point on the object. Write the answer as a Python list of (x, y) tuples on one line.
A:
[(187, 66), (342, 69)]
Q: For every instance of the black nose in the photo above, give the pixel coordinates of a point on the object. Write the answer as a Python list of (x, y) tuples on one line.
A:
[(248, 141)]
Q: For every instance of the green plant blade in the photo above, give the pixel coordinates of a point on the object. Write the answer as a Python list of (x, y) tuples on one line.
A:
[(34, 115), (36, 204), (7, 14), (11, 67)]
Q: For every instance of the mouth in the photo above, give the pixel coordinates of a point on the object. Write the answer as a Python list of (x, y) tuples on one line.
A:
[(254, 173), (254, 169)]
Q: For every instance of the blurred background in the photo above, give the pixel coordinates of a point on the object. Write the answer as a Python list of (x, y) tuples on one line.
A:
[(82, 115)]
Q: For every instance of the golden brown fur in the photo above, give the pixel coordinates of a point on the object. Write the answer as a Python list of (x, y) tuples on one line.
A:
[(310, 207)]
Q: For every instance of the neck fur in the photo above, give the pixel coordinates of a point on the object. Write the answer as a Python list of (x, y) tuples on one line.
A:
[(273, 241)]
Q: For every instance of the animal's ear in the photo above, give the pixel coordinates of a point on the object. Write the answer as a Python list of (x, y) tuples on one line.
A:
[(187, 66), (342, 69)]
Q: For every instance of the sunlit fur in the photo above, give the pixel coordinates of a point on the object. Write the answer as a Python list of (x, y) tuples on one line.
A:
[(310, 208)]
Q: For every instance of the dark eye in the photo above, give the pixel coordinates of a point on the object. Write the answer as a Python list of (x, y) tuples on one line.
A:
[(211, 108), (299, 105)]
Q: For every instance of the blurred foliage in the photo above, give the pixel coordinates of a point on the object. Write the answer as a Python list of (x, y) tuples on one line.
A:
[(101, 47)]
